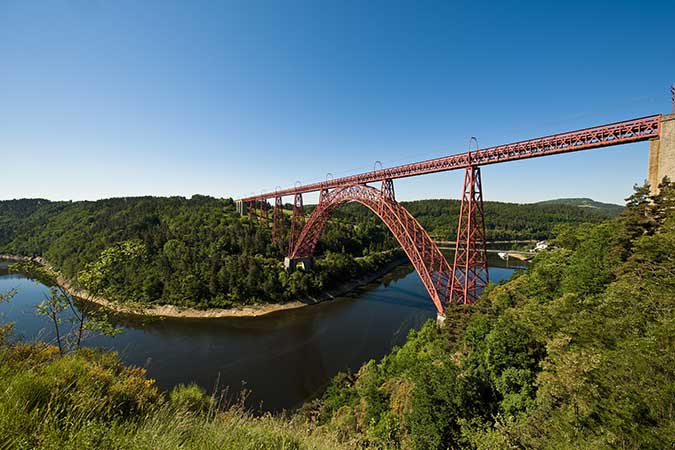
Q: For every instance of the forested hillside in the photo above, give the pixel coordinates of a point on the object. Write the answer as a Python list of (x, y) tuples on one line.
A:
[(199, 252), (13, 213), (503, 221), (574, 353), (607, 208), (192, 252)]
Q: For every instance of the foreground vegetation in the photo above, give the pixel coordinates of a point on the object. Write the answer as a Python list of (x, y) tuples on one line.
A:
[(88, 400), (199, 252)]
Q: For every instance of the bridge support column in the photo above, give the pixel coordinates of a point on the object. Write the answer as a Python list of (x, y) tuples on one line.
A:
[(470, 264), (278, 222), (440, 320), (422, 251), (297, 222), (291, 264), (662, 154), (250, 207), (263, 217)]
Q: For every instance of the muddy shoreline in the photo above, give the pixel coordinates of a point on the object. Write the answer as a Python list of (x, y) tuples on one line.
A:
[(170, 311)]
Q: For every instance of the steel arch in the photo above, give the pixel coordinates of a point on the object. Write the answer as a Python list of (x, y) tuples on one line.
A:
[(422, 251)]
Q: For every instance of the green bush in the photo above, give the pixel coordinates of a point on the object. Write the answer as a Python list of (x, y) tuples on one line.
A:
[(190, 398), (89, 400)]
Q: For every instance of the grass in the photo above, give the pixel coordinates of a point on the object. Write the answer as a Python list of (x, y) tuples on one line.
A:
[(166, 428), (89, 400)]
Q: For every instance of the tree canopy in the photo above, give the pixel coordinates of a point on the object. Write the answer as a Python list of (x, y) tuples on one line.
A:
[(575, 352), (199, 252)]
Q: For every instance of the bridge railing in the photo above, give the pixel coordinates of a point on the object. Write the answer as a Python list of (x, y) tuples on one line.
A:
[(624, 132)]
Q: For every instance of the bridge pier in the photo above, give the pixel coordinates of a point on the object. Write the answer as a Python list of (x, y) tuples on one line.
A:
[(290, 264), (440, 320), (662, 154), (470, 267)]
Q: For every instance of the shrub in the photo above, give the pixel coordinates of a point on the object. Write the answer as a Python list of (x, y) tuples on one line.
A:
[(190, 398)]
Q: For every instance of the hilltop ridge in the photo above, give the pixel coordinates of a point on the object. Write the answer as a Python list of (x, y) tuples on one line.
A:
[(611, 209)]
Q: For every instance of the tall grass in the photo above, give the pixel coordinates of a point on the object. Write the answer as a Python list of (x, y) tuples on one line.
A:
[(89, 400)]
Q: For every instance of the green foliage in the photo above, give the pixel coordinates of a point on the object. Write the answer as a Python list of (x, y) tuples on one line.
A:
[(663, 201), (198, 252), (591, 264), (7, 296), (504, 221), (89, 400), (106, 275), (59, 302), (6, 329), (13, 213), (608, 209), (52, 307), (193, 252), (35, 271), (573, 353), (190, 398)]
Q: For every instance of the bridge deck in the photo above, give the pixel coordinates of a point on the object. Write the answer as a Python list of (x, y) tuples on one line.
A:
[(634, 130)]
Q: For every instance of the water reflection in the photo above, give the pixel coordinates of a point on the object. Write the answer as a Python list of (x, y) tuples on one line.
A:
[(283, 358)]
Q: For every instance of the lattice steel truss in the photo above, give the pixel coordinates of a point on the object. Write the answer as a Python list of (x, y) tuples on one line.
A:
[(297, 222), (278, 222), (263, 216), (422, 251), (470, 264), (601, 136), (463, 282)]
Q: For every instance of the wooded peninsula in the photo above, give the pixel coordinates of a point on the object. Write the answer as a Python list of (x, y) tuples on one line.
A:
[(199, 253)]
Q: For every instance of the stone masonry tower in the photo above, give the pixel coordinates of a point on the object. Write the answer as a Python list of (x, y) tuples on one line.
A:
[(662, 153)]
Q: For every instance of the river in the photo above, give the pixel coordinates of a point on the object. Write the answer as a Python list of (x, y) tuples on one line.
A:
[(283, 359)]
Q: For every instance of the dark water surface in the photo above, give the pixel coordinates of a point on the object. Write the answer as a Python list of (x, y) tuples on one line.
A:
[(284, 358)]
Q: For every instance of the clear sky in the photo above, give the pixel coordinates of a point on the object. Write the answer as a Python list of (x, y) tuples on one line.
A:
[(124, 98)]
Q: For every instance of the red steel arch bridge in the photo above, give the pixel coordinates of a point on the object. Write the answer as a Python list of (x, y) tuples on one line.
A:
[(462, 281)]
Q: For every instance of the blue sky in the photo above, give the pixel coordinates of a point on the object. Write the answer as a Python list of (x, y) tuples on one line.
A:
[(123, 98)]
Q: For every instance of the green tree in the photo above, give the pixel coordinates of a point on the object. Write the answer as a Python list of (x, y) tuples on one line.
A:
[(60, 303), (663, 202)]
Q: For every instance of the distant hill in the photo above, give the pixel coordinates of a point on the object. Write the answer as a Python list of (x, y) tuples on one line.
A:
[(609, 209), (504, 221)]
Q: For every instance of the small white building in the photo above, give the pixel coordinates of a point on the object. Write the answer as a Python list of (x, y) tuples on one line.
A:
[(540, 246)]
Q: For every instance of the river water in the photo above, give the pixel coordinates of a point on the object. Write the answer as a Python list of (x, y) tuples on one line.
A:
[(283, 359)]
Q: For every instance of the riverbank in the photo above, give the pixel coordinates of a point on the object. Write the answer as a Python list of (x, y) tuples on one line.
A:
[(171, 311)]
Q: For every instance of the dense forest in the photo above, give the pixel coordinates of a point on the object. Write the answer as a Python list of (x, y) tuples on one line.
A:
[(193, 252), (608, 208), (573, 353), (505, 221), (199, 252)]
